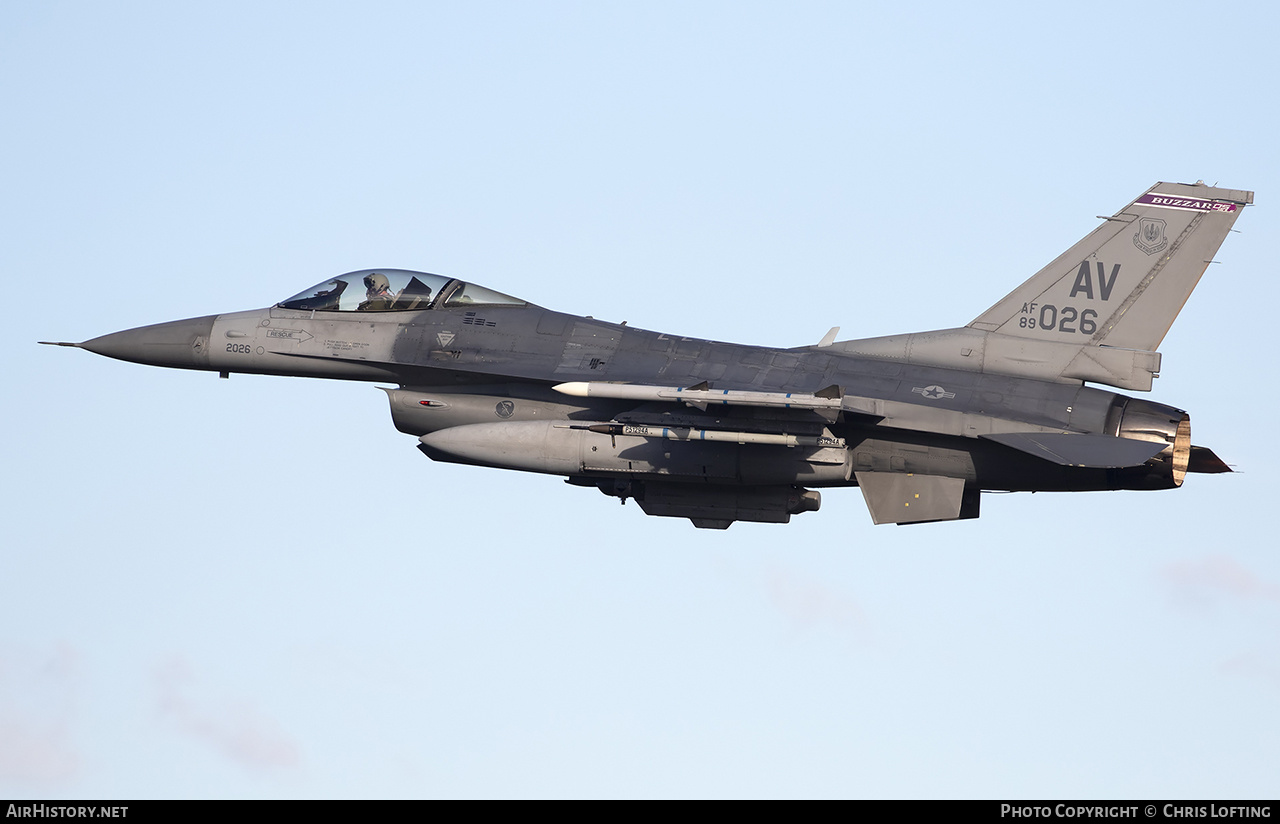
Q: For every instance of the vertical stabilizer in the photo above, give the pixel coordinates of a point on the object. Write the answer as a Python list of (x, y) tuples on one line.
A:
[(1125, 282)]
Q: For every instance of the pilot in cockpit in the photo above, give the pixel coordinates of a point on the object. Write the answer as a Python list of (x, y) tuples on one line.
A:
[(377, 293)]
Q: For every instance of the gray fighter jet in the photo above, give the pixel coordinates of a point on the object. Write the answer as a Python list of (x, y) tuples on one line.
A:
[(721, 432)]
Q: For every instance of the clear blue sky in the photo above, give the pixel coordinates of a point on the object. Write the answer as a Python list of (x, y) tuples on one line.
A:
[(258, 588)]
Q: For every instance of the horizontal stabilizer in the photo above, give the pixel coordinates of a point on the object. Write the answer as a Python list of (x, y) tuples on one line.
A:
[(1098, 451), (1203, 460), (898, 498)]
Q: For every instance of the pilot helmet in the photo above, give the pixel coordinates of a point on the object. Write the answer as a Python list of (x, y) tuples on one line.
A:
[(376, 282)]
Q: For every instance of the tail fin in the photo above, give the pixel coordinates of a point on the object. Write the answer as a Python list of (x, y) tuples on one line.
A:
[(1124, 283)]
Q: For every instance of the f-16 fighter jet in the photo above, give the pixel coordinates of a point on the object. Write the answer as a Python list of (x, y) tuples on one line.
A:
[(717, 432)]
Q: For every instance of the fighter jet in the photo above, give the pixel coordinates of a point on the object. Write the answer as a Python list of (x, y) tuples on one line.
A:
[(718, 432)]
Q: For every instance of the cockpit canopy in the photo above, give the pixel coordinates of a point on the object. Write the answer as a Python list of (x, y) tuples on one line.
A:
[(393, 290)]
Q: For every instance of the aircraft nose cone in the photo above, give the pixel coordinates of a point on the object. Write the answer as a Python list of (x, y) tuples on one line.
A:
[(181, 344)]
